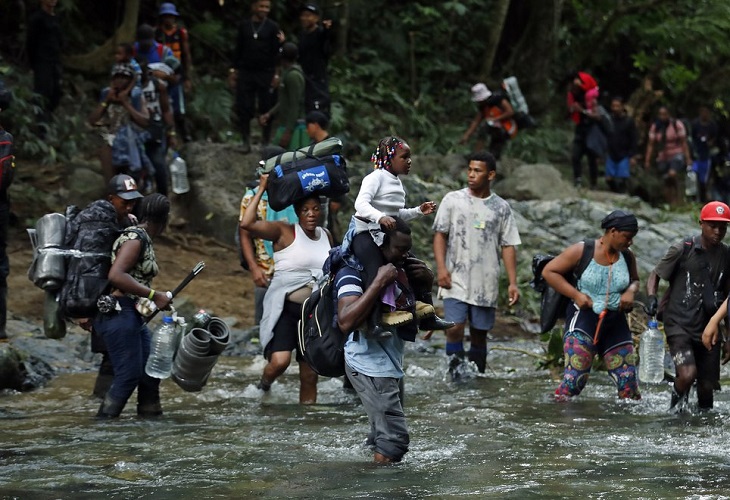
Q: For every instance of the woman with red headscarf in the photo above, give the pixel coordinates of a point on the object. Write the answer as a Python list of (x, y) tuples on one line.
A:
[(583, 108)]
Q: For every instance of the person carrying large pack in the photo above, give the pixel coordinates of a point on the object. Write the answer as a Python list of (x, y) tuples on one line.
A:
[(72, 259), (596, 316)]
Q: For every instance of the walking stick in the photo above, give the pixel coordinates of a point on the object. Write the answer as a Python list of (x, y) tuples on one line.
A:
[(190, 277)]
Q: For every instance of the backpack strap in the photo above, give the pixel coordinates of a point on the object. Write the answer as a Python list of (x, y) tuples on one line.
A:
[(589, 248), (161, 51)]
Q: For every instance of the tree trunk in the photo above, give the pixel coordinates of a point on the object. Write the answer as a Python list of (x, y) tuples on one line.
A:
[(532, 57), (343, 28), (498, 15), (99, 60)]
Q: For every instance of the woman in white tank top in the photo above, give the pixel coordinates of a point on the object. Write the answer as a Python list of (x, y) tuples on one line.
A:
[(299, 253)]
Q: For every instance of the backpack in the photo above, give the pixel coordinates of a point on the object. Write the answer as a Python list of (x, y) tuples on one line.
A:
[(553, 305), (7, 161), (90, 234), (321, 341), (519, 104), (294, 181)]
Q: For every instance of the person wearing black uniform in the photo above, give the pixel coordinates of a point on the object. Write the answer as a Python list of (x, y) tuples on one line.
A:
[(315, 48), (254, 68), (7, 168), (44, 44)]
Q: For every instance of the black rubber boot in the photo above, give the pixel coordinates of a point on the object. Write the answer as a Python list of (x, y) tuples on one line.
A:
[(105, 377), (149, 410), (479, 358), (110, 408), (432, 322), (679, 401), (263, 385), (375, 329), (456, 362)]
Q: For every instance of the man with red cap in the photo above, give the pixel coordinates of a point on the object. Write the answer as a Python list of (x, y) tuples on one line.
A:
[(697, 270)]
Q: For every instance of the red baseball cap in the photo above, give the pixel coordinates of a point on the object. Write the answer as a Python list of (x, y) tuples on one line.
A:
[(715, 211)]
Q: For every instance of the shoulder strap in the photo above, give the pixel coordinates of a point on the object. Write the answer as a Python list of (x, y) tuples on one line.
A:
[(589, 247), (630, 258), (161, 51)]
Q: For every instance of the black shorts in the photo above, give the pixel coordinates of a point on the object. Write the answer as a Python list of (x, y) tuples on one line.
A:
[(285, 331), (687, 351)]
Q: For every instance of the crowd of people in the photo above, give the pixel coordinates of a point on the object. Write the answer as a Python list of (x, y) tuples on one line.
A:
[(383, 292)]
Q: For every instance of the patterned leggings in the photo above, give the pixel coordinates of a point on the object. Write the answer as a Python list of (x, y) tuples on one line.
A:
[(579, 352)]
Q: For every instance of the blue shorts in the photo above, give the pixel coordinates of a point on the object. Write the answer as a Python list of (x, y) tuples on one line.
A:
[(481, 318), (702, 168), (618, 169)]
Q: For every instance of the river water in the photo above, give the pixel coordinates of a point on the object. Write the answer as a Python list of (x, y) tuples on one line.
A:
[(494, 436)]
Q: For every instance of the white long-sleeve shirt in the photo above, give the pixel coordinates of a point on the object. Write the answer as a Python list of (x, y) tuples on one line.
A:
[(381, 194)]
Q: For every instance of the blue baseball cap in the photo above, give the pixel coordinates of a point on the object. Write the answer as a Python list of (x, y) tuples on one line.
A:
[(168, 9)]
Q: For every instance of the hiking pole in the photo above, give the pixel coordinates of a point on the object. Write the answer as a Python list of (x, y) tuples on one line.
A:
[(190, 277)]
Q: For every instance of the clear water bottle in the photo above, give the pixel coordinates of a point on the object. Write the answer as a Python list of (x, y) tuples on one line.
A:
[(179, 174), (651, 355), (159, 364), (690, 185)]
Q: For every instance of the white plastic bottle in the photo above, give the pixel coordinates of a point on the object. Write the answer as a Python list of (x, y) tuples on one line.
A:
[(159, 363), (651, 355), (690, 185), (179, 174)]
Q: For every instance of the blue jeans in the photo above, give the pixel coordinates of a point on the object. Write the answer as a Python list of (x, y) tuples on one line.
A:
[(128, 343)]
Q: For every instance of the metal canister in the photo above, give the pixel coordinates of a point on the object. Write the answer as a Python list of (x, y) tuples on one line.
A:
[(201, 319)]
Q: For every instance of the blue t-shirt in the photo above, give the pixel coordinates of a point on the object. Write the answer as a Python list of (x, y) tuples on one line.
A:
[(374, 358)]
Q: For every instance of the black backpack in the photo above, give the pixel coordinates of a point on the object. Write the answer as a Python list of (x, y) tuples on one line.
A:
[(553, 305), (7, 161), (90, 235), (321, 341)]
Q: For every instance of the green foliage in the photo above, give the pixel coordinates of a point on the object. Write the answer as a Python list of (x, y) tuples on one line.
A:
[(554, 357), (57, 141), (210, 109)]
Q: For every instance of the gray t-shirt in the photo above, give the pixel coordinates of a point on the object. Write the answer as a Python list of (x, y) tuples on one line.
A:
[(477, 230), (685, 311)]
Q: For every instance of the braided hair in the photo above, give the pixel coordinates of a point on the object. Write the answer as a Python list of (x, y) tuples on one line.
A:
[(154, 208), (384, 153)]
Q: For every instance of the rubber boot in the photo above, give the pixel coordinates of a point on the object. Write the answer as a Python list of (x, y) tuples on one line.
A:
[(432, 322), (479, 358), (105, 377), (110, 408), (375, 330), (149, 410), (456, 360), (679, 401), (263, 385)]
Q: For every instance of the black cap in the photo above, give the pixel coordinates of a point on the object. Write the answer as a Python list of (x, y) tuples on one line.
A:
[(125, 187), (311, 7)]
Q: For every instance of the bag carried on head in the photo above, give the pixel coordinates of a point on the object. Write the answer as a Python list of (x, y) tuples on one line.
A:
[(321, 341), (318, 169)]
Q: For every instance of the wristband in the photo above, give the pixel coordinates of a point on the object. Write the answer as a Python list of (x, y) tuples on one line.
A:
[(104, 104), (172, 133), (152, 294)]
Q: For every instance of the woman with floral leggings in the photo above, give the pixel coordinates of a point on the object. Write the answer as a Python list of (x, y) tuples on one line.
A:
[(595, 320)]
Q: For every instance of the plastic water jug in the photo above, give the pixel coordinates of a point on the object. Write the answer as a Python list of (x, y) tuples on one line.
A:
[(159, 364), (179, 174), (651, 355)]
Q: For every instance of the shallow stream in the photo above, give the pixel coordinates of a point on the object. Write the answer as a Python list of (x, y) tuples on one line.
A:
[(495, 436)]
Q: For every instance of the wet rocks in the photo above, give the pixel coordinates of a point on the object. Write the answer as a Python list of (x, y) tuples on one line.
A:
[(534, 182)]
